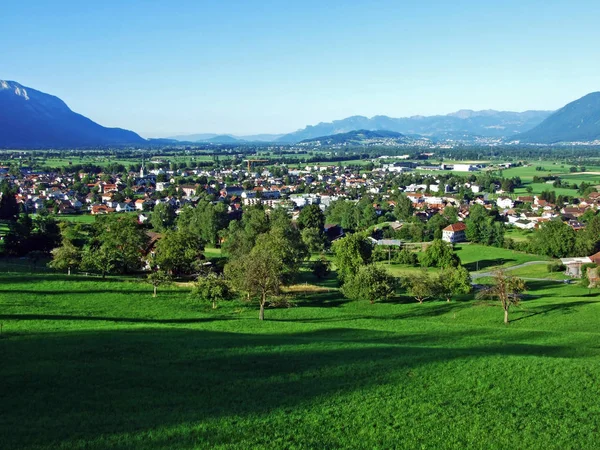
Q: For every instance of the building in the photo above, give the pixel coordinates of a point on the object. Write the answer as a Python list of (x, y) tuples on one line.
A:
[(454, 233), (573, 265)]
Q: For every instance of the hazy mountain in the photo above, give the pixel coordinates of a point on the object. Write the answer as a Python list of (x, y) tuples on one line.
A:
[(576, 122), (207, 137), (360, 137), (33, 119), (194, 137), (224, 139), (488, 123)]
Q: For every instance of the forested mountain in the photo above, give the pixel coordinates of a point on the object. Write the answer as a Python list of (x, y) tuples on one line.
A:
[(457, 125), (361, 137), (576, 122), (33, 119)]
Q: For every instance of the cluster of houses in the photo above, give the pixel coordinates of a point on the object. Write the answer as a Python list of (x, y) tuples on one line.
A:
[(292, 189)]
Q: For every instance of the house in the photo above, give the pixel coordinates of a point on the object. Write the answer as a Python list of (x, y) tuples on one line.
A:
[(454, 233), (573, 265), (333, 231), (101, 209), (505, 202), (595, 258)]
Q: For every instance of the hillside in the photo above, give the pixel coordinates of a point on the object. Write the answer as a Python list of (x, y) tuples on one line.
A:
[(458, 125), (33, 119), (578, 121), (360, 137)]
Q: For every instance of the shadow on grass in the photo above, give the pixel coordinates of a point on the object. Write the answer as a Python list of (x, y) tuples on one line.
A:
[(485, 263), (98, 386), (64, 317), (565, 308)]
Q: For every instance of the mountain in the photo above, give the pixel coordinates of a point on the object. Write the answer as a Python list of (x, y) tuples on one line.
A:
[(457, 125), (202, 137), (360, 137), (223, 139), (33, 119), (207, 137), (579, 121)]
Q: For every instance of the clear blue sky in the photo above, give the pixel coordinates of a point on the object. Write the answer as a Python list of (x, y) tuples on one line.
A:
[(164, 67)]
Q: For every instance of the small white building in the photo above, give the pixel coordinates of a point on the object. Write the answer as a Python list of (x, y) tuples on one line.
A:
[(454, 233)]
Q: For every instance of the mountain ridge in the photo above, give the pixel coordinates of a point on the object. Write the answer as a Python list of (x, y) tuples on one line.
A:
[(577, 121), (487, 123), (34, 119)]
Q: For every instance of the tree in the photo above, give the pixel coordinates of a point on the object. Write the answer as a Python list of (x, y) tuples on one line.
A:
[(483, 227), (158, 278), (163, 217), (179, 252), (205, 220), (260, 273), (404, 208), (122, 239), (212, 288), (66, 257), (313, 239), (321, 267), (506, 289), (103, 259), (554, 238), (9, 209), (371, 282), (311, 216), (454, 281), (440, 254), (350, 253), (421, 286)]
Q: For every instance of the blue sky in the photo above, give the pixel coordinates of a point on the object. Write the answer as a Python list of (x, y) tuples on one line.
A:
[(166, 67)]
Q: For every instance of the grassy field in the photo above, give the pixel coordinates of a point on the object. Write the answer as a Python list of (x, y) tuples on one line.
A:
[(91, 364), (479, 257)]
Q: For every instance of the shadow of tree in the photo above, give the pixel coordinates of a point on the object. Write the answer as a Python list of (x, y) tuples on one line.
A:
[(101, 385)]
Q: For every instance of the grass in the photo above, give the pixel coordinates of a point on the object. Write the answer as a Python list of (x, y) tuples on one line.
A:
[(101, 364), (78, 218), (479, 257)]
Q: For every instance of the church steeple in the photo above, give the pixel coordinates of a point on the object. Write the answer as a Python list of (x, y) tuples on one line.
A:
[(142, 171)]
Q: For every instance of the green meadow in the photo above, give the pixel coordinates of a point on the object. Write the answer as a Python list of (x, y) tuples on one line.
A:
[(93, 364)]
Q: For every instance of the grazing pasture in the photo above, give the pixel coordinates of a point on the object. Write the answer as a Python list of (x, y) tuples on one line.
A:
[(92, 364)]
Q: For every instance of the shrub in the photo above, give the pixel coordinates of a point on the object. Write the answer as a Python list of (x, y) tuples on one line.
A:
[(556, 267)]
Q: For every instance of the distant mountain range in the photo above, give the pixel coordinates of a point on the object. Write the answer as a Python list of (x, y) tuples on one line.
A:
[(463, 125), (33, 119), (361, 137), (459, 125), (579, 121)]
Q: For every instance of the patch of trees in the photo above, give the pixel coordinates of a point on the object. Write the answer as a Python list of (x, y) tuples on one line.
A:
[(484, 227), (265, 255)]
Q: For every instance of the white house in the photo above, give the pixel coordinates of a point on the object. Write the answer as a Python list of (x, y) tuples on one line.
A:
[(505, 202), (454, 233)]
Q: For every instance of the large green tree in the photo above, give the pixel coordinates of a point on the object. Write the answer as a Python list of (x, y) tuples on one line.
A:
[(163, 217), (311, 216), (554, 238), (179, 252), (440, 254), (350, 253)]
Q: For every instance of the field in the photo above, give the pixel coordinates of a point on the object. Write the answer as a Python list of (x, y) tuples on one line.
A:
[(88, 363)]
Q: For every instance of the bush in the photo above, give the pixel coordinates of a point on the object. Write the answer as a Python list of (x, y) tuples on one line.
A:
[(556, 267), (406, 257)]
